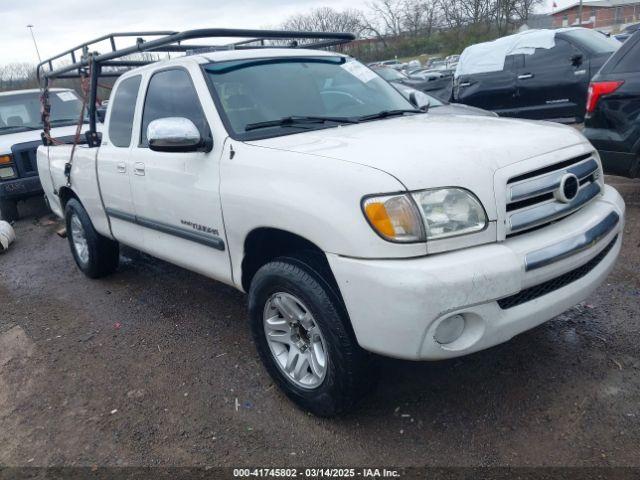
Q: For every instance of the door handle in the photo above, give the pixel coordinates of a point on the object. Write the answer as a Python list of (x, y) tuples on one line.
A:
[(465, 84), (525, 76), (138, 169), (122, 167)]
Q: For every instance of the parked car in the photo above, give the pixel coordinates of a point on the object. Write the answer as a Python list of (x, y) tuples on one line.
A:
[(537, 74), (613, 111), (20, 128), (412, 66), (393, 64), (627, 32), (431, 61), (438, 84), (436, 106), (355, 222), (452, 61)]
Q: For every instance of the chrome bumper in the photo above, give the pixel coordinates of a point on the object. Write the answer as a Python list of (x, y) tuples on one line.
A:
[(571, 246)]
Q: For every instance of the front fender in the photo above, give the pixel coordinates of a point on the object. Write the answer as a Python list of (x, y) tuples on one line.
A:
[(314, 197)]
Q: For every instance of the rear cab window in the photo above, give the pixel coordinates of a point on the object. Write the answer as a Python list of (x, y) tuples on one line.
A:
[(593, 42), (545, 58), (122, 111)]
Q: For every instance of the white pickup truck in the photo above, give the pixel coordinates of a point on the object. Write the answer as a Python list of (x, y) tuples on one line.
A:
[(356, 222), (20, 129)]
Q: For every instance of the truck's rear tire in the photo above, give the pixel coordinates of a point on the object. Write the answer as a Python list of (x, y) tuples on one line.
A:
[(302, 334), (95, 255), (9, 210)]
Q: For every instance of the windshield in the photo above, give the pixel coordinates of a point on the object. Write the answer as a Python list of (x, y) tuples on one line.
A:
[(20, 112), (266, 90), (594, 41)]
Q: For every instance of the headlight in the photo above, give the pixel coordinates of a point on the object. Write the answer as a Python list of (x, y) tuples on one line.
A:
[(450, 211), (7, 172), (425, 215), (394, 218)]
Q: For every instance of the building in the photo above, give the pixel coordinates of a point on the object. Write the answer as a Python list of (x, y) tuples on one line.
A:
[(600, 14)]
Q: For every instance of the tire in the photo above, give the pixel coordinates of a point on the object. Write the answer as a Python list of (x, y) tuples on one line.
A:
[(348, 373), (9, 210), (95, 255)]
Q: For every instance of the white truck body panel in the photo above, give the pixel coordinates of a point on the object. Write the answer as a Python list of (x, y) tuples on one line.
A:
[(85, 180), (311, 184)]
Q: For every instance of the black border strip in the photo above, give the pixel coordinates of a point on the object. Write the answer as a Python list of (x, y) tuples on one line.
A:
[(197, 237)]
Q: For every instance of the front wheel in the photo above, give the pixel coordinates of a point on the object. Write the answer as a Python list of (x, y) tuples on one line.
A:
[(301, 331), (95, 255)]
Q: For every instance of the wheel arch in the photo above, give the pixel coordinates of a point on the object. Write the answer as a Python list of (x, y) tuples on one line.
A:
[(65, 194), (263, 244)]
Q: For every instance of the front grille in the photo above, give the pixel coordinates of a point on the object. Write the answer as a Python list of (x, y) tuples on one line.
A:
[(24, 157), (549, 286), (532, 200)]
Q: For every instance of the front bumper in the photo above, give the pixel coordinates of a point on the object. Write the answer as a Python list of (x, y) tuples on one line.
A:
[(20, 188), (395, 306)]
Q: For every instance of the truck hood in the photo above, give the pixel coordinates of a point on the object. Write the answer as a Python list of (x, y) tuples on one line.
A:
[(429, 151), (9, 139)]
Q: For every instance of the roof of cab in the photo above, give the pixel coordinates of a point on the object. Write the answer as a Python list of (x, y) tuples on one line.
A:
[(228, 55)]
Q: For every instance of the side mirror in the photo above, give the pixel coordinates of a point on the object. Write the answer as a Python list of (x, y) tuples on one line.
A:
[(576, 60), (176, 134), (420, 100)]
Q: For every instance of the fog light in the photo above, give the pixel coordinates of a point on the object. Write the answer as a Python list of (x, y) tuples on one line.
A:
[(449, 329)]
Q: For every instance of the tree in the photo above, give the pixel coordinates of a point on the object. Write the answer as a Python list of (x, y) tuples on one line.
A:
[(16, 76), (385, 17), (326, 19), (420, 16)]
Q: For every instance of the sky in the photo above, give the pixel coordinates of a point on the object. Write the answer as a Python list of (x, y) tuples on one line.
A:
[(62, 24)]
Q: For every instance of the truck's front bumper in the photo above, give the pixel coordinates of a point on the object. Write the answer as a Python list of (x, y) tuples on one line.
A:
[(500, 289), (20, 188)]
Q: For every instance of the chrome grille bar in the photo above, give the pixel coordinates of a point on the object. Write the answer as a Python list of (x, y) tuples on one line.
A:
[(550, 182), (550, 211)]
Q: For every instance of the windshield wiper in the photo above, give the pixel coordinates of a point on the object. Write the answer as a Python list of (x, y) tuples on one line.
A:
[(26, 127), (297, 121), (388, 113), (66, 120)]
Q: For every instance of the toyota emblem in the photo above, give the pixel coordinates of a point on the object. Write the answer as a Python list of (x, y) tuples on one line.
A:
[(568, 189)]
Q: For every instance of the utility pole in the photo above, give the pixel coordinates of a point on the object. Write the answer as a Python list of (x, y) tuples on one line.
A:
[(35, 44), (580, 14)]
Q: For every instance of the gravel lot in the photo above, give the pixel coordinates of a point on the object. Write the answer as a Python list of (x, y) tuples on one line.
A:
[(155, 366)]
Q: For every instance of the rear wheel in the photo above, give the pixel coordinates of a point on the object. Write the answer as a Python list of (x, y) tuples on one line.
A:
[(9, 210), (95, 255), (302, 333)]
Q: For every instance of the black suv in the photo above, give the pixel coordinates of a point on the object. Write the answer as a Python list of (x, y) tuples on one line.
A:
[(613, 111), (550, 84)]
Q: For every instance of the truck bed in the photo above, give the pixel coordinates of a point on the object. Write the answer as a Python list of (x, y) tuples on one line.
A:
[(84, 181)]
